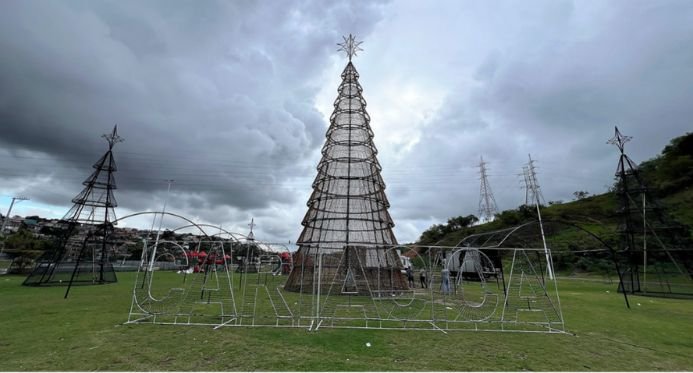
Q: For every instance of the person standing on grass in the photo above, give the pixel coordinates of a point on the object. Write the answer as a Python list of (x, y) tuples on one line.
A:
[(422, 278), (445, 281), (410, 277)]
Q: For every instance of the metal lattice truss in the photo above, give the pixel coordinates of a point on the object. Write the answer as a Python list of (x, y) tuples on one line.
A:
[(348, 205), (657, 260), (82, 254), (96, 202), (348, 209), (229, 283), (487, 202)]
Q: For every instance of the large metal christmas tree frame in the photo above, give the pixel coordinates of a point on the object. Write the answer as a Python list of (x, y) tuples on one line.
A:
[(81, 256), (347, 226)]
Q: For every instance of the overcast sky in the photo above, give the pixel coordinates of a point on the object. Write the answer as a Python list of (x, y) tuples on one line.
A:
[(232, 99)]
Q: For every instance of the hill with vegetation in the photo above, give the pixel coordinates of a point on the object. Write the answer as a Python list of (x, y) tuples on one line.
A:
[(669, 177)]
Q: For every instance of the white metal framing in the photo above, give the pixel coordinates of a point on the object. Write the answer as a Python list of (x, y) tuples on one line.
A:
[(465, 292)]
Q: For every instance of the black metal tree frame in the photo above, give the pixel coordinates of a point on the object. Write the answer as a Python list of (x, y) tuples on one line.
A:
[(93, 214), (642, 219), (347, 219)]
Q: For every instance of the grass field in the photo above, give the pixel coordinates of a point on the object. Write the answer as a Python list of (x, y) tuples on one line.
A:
[(39, 330)]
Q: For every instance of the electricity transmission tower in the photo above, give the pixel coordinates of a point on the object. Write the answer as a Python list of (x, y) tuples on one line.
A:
[(534, 192), (525, 175), (487, 203)]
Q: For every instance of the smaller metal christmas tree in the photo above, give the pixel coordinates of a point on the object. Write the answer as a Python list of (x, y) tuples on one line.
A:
[(81, 254), (656, 263)]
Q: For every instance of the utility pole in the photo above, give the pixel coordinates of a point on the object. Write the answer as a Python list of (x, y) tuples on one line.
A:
[(161, 222), (9, 211), (7, 217), (531, 177), (487, 203)]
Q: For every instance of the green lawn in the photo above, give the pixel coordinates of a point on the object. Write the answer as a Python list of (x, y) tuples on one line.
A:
[(39, 330)]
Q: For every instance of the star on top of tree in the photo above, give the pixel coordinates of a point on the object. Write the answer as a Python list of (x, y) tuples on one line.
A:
[(619, 140), (113, 137), (350, 46)]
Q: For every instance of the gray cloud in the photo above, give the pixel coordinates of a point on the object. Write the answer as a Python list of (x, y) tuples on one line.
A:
[(553, 82), (227, 99), (218, 96)]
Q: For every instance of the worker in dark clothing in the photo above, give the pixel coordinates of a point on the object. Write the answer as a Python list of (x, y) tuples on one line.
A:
[(410, 277)]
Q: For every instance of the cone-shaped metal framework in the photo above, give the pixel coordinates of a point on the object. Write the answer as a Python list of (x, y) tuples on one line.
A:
[(95, 203), (81, 255), (348, 208), (658, 260), (348, 205)]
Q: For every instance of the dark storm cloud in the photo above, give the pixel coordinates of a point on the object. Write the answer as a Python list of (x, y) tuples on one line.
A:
[(217, 95)]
